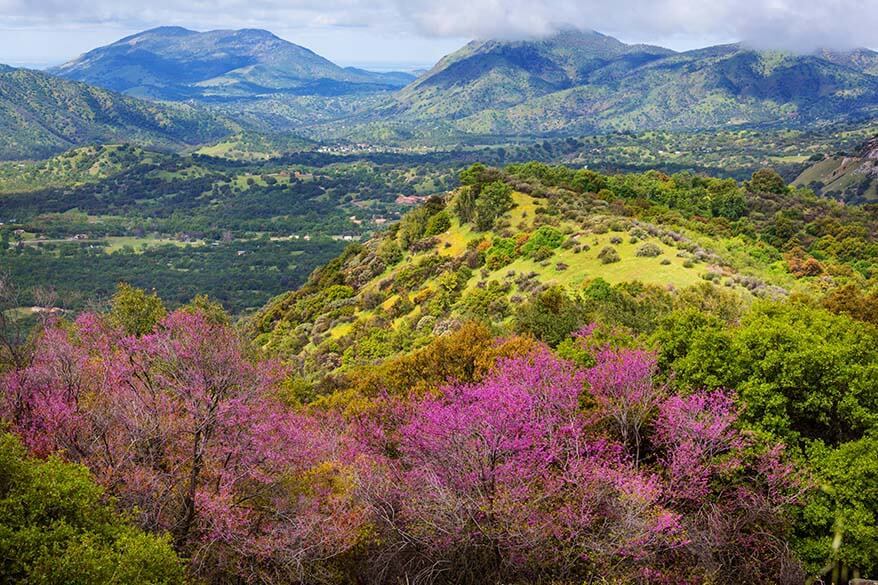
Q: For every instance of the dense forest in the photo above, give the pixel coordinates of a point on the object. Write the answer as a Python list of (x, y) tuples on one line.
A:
[(545, 375)]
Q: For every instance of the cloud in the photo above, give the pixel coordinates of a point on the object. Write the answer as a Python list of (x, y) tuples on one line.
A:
[(798, 25)]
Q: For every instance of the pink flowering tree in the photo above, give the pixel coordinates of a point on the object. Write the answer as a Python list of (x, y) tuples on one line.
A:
[(625, 393), (500, 478), (507, 479), (735, 494), (181, 427), (699, 439)]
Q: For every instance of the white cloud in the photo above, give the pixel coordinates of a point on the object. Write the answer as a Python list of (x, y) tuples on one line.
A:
[(791, 24)]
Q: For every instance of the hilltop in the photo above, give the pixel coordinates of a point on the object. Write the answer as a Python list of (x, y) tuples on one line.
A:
[(499, 74), (574, 82), (174, 63), (41, 115), (512, 247)]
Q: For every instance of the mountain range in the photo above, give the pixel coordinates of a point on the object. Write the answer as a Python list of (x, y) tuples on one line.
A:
[(586, 82), (175, 63), (572, 83)]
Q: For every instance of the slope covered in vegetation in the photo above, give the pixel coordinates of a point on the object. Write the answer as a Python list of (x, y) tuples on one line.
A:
[(583, 81), (174, 63), (847, 176), (41, 115), (506, 235), (549, 375)]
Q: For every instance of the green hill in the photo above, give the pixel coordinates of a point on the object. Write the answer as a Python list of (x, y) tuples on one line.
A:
[(498, 74), (862, 59), (41, 115), (645, 240), (850, 177), (77, 166)]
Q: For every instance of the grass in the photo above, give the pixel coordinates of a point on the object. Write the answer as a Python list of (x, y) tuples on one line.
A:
[(234, 150), (668, 270), (116, 243), (524, 210), (457, 237), (839, 175), (454, 241), (586, 266)]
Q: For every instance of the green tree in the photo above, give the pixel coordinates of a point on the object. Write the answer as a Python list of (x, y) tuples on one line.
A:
[(767, 181), (810, 378), (211, 309), (551, 316), (804, 373), (502, 252), (494, 200), (478, 175), (465, 203), (134, 310), (543, 237), (438, 224), (838, 526), (55, 528), (586, 181), (390, 252)]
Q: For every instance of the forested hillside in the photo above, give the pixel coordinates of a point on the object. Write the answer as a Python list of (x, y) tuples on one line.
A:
[(571, 83), (847, 176), (586, 82), (42, 115)]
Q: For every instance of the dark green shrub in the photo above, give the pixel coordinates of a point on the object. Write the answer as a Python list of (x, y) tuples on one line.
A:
[(649, 250), (609, 255)]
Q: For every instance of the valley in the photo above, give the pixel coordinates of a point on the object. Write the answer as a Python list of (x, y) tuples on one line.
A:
[(265, 211)]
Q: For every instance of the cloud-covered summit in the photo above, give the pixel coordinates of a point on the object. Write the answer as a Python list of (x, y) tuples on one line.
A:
[(796, 25)]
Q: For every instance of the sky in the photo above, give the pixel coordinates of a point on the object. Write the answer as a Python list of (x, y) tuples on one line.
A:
[(387, 34)]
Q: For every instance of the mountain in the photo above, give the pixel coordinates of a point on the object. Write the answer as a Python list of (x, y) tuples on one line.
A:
[(175, 63), (850, 177), (586, 82), (861, 59), (498, 74), (41, 115)]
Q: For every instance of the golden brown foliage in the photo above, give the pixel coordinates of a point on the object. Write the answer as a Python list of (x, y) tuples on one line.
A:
[(464, 355)]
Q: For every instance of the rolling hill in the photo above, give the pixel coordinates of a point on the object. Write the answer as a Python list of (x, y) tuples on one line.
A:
[(42, 115), (575, 82), (551, 228), (174, 63), (850, 177), (588, 82)]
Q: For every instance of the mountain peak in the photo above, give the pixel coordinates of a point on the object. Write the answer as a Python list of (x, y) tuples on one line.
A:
[(255, 33), (175, 63), (503, 73), (159, 31)]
